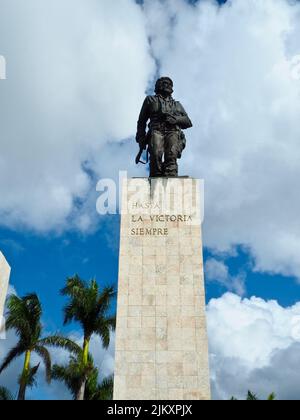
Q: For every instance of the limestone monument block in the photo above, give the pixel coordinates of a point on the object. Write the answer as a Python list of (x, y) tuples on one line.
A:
[(161, 337), (4, 280)]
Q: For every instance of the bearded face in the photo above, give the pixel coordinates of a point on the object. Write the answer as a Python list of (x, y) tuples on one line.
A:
[(164, 86)]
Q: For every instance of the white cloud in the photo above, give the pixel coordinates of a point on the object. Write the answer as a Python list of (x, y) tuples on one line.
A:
[(254, 345), (77, 87), (76, 76), (232, 68), (217, 271)]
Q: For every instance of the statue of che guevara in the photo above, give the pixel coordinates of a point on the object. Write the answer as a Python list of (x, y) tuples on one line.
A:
[(165, 139)]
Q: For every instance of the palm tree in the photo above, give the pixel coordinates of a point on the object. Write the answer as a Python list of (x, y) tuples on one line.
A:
[(101, 392), (24, 316), (90, 307), (72, 374), (253, 397)]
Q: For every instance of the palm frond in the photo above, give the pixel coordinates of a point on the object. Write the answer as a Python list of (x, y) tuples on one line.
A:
[(14, 353), (251, 396), (61, 342), (5, 394), (111, 322), (29, 378), (105, 298), (73, 287), (71, 311), (105, 335), (16, 318), (105, 390), (45, 356), (70, 375), (59, 373), (89, 306), (103, 328), (24, 316)]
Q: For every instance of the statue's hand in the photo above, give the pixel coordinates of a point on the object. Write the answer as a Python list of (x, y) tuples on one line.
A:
[(140, 139), (142, 142), (170, 119)]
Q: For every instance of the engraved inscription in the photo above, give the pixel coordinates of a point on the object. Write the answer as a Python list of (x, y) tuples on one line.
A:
[(155, 218)]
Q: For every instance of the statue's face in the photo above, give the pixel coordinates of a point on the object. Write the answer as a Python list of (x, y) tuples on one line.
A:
[(165, 87)]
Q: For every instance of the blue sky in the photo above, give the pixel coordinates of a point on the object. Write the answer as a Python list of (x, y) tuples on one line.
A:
[(63, 130), (42, 264)]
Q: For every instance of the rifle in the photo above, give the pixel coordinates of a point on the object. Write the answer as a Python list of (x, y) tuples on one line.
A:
[(143, 146)]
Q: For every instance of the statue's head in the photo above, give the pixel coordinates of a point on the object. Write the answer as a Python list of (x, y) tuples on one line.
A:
[(164, 86)]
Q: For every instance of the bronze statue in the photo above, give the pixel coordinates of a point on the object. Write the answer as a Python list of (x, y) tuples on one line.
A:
[(165, 140)]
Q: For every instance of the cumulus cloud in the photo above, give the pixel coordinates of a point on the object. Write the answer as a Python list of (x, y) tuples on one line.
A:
[(76, 76), (217, 271), (254, 345), (77, 72), (235, 69)]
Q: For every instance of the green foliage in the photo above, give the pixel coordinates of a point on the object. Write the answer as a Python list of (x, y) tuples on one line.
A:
[(29, 377), (61, 342), (5, 394), (253, 397), (89, 307), (101, 392), (71, 375), (24, 317)]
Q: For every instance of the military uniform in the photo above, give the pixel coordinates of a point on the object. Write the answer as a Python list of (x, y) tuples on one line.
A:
[(166, 140)]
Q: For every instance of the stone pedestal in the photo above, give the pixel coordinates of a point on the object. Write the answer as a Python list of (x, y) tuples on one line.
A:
[(4, 279), (161, 338)]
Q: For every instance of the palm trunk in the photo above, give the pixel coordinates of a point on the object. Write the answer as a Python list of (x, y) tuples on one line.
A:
[(81, 391), (22, 391), (24, 377)]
